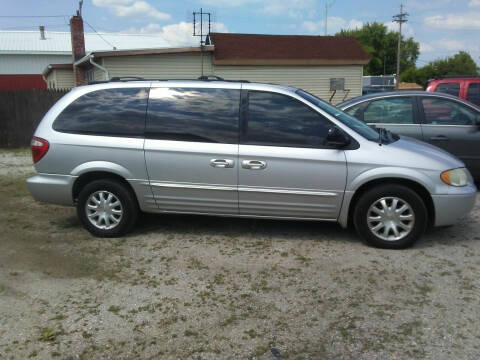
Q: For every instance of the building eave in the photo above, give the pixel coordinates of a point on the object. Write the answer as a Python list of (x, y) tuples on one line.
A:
[(51, 67), (113, 53)]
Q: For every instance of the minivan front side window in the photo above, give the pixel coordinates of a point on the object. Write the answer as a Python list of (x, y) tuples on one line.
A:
[(356, 125), (193, 114), (393, 110), (280, 120)]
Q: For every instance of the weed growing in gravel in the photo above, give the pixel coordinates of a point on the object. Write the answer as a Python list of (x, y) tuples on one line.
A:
[(48, 334), (114, 309), (196, 264), (190, 332)]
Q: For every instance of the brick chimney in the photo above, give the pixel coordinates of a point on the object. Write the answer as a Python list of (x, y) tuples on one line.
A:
[(78, 47)]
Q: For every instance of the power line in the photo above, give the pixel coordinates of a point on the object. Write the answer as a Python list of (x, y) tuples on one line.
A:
[(20, 27), (96, 32), (400, 19), (32, 16)]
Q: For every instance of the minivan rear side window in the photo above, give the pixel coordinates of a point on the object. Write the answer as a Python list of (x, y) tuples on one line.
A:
[(449, 88), (193, 114), (280, 120), (116, 112)]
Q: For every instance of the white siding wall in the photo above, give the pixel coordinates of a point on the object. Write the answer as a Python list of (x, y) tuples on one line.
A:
[(64, 79), (60, 79), (164, 66), (99, 75), (30, 63), (314, 79)]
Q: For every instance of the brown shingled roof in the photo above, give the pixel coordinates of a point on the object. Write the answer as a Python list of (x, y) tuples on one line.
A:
[(255, 49)]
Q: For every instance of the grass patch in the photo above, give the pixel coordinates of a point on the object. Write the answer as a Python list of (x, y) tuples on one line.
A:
[(190, 332), (48, 334), (114, 309)]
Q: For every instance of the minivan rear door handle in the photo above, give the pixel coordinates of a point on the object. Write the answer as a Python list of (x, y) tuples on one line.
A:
[(439, 138), (222, 163), (254, 164)]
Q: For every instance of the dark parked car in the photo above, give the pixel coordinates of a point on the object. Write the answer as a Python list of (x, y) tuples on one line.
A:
[(437, 118)]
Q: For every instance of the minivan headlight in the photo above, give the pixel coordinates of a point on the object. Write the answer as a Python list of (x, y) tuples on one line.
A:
[(455, 177)]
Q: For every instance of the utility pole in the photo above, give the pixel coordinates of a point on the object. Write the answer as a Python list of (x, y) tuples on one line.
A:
[(196, 33), (400, 19), (327, 5)]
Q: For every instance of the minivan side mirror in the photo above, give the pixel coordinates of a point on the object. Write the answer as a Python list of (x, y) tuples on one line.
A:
[(337, 138)]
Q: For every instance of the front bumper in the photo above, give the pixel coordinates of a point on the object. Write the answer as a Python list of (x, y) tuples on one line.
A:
[(52, 188), (450, 208)]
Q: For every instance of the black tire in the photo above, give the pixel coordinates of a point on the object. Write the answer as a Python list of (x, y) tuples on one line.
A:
[(129, 207), (403, 193)]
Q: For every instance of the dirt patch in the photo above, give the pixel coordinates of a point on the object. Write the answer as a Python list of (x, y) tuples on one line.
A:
[(216, 288)]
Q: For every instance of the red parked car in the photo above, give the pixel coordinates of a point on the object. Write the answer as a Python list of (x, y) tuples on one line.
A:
[(465, 87)]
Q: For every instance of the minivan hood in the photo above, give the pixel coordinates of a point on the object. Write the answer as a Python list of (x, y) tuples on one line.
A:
[(424, 155)]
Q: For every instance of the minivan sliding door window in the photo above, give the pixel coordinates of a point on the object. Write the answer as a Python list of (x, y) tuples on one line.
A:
[(193, 114)]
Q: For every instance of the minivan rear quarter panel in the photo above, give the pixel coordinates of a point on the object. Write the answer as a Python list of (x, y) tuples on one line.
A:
[(74, 154)]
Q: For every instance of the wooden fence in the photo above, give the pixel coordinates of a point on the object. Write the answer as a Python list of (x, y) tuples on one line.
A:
[(20, 113)]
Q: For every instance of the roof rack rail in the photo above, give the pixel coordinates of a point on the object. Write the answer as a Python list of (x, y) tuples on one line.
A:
[(210, 78), (218, 78), (137, 78), (126, 78)]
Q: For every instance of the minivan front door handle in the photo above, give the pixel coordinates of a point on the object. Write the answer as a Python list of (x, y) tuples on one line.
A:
[(222, 163), (439, 138), (254, 164)]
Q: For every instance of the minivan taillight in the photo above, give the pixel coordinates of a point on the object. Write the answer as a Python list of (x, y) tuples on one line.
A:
[(39, 148)]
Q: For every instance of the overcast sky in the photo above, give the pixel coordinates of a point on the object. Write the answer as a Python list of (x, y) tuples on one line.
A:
[(443, 27)]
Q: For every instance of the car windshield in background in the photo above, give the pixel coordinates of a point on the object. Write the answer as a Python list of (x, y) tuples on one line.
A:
[(356, 125)]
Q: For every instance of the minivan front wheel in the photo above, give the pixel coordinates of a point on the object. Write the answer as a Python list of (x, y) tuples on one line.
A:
[(107, 208), (390, 216)]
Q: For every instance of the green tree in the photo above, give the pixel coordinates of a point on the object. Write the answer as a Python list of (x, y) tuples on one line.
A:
[(381, 45), (459, 64)]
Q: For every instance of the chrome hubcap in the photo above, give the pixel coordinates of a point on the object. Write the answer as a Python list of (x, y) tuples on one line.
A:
[(104, 210), (390, 218)]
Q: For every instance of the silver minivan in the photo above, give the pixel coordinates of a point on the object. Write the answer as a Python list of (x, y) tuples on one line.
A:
[(234, 148)]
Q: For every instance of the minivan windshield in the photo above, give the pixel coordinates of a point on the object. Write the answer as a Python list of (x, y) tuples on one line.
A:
[(356, 125)]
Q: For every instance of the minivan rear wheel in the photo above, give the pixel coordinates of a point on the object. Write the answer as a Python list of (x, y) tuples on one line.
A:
[(107, 208), (390, 216)]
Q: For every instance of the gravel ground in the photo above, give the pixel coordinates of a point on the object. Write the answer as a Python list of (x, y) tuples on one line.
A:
[(15, 163), (217, 288)]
